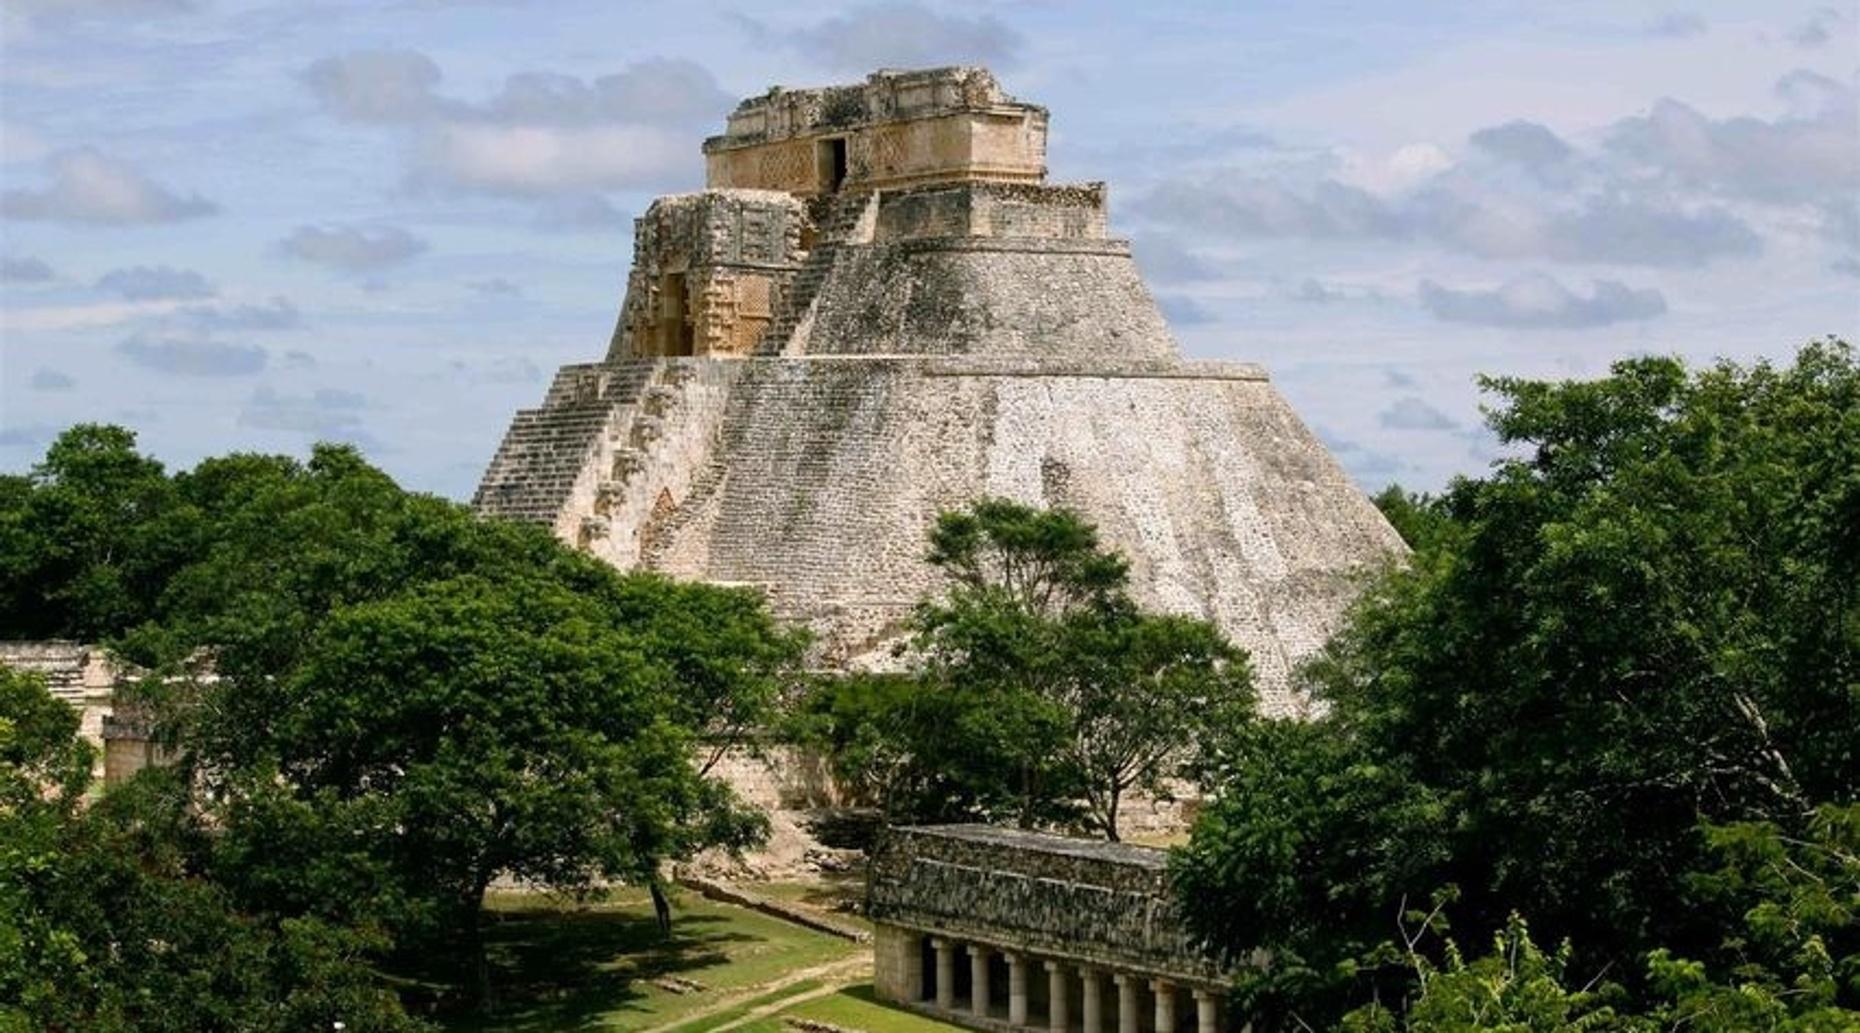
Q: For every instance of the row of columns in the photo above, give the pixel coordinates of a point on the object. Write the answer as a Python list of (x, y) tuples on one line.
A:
[(1059, 1019)]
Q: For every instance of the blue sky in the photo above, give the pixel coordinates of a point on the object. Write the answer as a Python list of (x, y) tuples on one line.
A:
[(245, 225)]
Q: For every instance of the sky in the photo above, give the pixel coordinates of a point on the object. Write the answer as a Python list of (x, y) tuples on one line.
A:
[(249, 225)]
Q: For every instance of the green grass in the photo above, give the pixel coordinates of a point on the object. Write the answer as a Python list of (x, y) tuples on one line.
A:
[(557, 966), (853, 1008), (718, 1018), (828, 896)]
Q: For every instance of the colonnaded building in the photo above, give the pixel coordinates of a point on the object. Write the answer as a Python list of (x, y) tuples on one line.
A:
[(879, 309), (1011, 930)]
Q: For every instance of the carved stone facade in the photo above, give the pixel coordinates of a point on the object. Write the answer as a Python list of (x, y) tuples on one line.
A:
[(709, 271), (1003, 928), (896, 129)]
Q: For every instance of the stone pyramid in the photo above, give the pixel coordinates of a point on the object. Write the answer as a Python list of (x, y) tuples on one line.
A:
[(878, 310)]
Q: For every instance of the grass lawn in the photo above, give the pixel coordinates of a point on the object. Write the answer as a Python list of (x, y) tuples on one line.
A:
[(852, 1008), (829, 896), (557, 966)]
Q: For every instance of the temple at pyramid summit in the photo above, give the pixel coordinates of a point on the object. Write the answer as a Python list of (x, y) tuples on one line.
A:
[(878, 309)]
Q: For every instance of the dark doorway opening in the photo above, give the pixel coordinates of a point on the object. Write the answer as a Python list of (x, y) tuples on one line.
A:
[(676, 334), (833, 164)]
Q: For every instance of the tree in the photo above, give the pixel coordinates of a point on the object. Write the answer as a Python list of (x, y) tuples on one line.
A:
[(88, 540), (106, 923), (1641, 623), (1417, 516), (1038, 692), (383, 703), (1797, 949)]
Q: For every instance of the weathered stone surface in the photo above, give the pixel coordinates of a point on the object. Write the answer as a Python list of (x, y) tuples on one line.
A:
[(1084, 901), (941, 326), (896, 129)]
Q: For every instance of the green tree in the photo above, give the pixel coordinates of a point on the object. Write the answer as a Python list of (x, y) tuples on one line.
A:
[(383, 703), (1417, 516), (1037, 692), (1791, 958), (1643, 621), (106, 923), (88, 540)]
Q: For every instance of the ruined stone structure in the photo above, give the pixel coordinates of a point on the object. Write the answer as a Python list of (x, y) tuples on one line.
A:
[(1004, 929), (87, 679), (879, 310)]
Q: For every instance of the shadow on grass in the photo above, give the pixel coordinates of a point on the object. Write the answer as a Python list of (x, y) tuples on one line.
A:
[(564, 968)]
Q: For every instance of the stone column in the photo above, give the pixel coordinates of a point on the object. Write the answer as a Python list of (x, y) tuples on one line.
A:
[(1207, 1011), (1127, 988), (978, 980), (1057, 1017), (945, 973), (1090, 989), (1165, 1005), (1017, 988)]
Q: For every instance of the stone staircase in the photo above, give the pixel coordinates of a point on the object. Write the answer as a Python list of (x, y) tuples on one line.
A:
[(545, 450), (843, 225)]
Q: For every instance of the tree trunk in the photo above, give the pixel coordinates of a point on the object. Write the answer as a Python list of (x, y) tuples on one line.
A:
[(661, 908), (1110, 814), (478, 974), (1026, 796)]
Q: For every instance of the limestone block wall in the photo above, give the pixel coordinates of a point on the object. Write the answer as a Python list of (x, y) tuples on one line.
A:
[(778, 777), (1077, 300), (1036, 211), (830, 472)]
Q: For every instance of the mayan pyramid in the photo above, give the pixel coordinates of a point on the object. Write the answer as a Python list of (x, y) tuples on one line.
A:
[(879, 309)]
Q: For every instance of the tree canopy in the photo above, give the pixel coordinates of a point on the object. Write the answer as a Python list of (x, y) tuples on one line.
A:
[(1639, 628), (1037, 691), (381, 703)]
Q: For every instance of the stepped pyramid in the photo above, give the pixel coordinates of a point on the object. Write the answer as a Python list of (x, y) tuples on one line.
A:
[(878, 310)]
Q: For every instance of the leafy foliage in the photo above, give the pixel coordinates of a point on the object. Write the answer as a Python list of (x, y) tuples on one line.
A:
[(1038, 692), (383, 703), (105, 924), (1641, 624)]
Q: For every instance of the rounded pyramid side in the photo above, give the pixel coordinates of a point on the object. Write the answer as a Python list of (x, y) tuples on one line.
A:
[(828, 474)]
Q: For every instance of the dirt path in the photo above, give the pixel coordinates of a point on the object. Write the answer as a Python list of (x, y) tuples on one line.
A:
[(834, 976)]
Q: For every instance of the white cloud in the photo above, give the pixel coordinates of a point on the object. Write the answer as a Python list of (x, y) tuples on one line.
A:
[(156, 283), (1540, 302), (277, 314), (44, 379), (1820, 27), (496, 286), (24, 270), (326, 414), (1165, 260), (900, 35), (1676, 25), (540, 160), (1181, 310), (89, 186), (194, 357), (1793, 159), (1461, 214), (352, 248), (541, 134), (376, 85), (1410, 413)]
